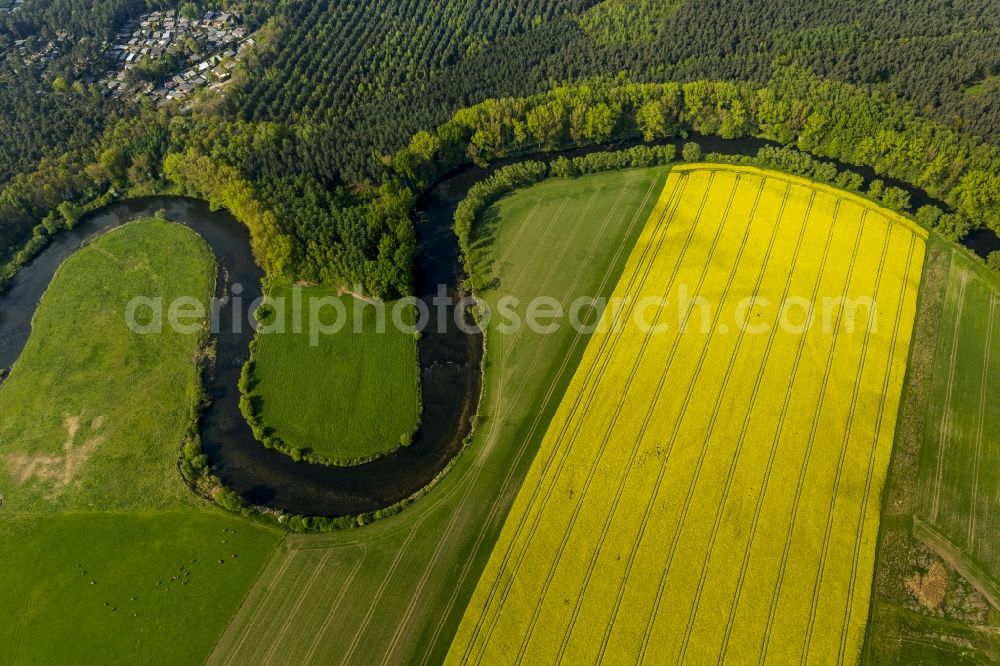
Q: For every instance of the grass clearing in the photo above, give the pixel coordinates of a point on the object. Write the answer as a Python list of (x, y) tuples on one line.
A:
[(732, 512), (395, 591), (91, 422), (353, 396)]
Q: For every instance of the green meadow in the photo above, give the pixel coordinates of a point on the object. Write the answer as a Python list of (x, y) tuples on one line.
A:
[(105, 552), (343, 396)]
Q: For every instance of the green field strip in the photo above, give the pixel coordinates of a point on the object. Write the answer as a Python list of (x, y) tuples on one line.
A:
[(959, 474), (504, 488), (745, 428), (277, 638), (981, 426), (521, 226), (805, 461), (946, 405), (261, 602), (554, 265), (859, 535), (585, 493), (671, 552), (845, 447), (366, 622), (590, 381), (543, 242), (333, 610)]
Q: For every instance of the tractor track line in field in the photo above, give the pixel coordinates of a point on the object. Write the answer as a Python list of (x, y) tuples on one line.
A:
[(520, 231), (609, 431), (564, 442), (817, 416), (545, 236), (644, 524), (703, 453), (745, 428), (871, 459), (441, 542), (565, 247), (621, 486), (564, 644), (259, 608), (772, 456), (537, 420), (297, 606), (360, 632), (944, 431), (335, 607), (845, 447), (640, 274), (981, 425)]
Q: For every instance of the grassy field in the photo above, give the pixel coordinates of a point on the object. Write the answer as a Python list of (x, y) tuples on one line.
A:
[(395, 591), (720, 497), (351, 396), (123, 587), (94, 508), (959, 483)]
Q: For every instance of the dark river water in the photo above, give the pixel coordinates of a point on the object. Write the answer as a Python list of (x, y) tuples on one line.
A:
[(449, 359)]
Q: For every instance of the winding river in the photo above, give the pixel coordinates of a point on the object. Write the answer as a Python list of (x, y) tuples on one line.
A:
[(449, 360)]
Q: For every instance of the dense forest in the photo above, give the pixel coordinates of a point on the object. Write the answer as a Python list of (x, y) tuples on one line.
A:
[(348, 108)]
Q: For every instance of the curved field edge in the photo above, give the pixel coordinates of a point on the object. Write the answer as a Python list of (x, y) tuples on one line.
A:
[(424, 562), (337, 398), (107, 554), (524, 564)]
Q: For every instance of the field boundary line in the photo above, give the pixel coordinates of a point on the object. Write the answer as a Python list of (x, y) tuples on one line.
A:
[(603, 446), (363, 628), (336, 605), (689, 495), (588, 389), (548, 396), (846, 443), (944, 429), (871, 458), (980, 427), (745, 428), (441, 542), (817, 415)]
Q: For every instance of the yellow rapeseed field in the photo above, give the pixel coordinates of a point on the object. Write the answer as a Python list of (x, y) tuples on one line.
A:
[(710, 486)]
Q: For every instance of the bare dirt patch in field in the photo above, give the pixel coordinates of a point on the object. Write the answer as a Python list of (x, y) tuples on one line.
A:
[(58, 470)]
